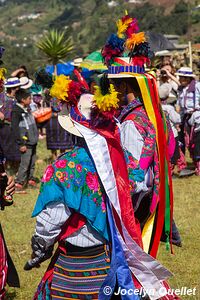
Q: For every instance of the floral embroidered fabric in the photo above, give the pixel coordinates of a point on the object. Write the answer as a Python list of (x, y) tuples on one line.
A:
[(73, 179)]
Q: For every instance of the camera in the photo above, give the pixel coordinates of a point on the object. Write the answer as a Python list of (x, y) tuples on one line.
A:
[(163, 73)]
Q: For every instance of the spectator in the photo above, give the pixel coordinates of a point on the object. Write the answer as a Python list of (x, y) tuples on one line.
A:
[(7, 141), (26, 136), (188, 102)]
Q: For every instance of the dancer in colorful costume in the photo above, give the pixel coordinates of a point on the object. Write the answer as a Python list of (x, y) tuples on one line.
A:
[(144, 128), (85, 205)]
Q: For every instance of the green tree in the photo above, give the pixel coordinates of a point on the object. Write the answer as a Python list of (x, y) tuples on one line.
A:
[(55, 46)]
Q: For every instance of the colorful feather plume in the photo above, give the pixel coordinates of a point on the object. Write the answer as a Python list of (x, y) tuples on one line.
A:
[(141, 54), (105, 105), (122, 25), (106, 102), (2, 73), (135, 39), (65, 89), (126, 26), (114, 47)]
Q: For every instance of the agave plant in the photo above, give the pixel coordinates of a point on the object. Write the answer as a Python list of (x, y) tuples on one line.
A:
[(55, 46)]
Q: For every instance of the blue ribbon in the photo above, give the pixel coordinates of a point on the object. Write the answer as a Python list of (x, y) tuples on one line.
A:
[(119, 268)]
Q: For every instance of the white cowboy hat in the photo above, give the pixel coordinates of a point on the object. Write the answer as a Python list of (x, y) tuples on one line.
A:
[(77, 62), (185, 72), (84, 106), (12, 82), (25, 82)]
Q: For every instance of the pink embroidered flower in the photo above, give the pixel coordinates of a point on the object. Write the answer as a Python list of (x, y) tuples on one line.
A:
[(48, 174), (92, 181), (61, 163), (73, 155), (103, 206), (79, 168)]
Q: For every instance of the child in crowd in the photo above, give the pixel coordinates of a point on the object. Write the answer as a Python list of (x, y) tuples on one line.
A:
[(26, 136)]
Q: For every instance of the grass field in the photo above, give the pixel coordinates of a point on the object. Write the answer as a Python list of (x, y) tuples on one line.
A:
[(18, 228)]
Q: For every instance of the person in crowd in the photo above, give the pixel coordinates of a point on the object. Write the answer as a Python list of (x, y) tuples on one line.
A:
[(85, 204), (7, 140), (25, 132), (8, 273), (167, 77), (20, 72), (36, 105), (194, 122), (188, 102), (57, 139), (174, 117)]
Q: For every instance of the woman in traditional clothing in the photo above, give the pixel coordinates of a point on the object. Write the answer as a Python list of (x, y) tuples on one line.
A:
[(85, 205), (56, 137), (10, 148)]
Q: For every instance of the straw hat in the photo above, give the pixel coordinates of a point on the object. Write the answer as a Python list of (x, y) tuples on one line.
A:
[(185, 72), (12, 82), (25, 82), (77, 62)]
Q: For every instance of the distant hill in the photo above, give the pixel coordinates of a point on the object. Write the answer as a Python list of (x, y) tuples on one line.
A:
[(89, 22)]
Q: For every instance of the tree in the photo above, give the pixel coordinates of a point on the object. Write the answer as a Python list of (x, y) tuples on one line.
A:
[(56, 46)]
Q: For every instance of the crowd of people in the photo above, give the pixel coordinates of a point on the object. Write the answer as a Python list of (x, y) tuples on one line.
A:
[(107, 198)]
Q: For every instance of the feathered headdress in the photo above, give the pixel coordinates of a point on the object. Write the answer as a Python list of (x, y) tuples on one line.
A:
[(106, 104), (65, 89), (128, 38)]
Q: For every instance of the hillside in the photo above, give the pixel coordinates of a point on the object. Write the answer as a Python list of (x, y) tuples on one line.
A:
[(89, 22)]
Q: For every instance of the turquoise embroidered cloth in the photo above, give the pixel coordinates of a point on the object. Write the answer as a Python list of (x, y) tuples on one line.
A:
[(73, 180)]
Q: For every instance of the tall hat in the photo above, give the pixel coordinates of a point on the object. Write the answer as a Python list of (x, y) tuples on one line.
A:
[(132, 43), (128, 50)]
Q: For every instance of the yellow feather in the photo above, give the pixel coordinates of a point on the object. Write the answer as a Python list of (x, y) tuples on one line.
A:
[(108, 101), (2, 73), (135, 39), (60, 88), (122, 27)]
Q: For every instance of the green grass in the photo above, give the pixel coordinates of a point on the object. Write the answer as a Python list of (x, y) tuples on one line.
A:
[(18, 228)]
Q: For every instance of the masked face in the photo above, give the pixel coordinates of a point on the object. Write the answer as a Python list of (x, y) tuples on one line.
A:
[(85, 104)]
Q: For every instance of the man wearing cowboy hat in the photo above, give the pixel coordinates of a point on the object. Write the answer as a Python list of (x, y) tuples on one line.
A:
[(188, 102)]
